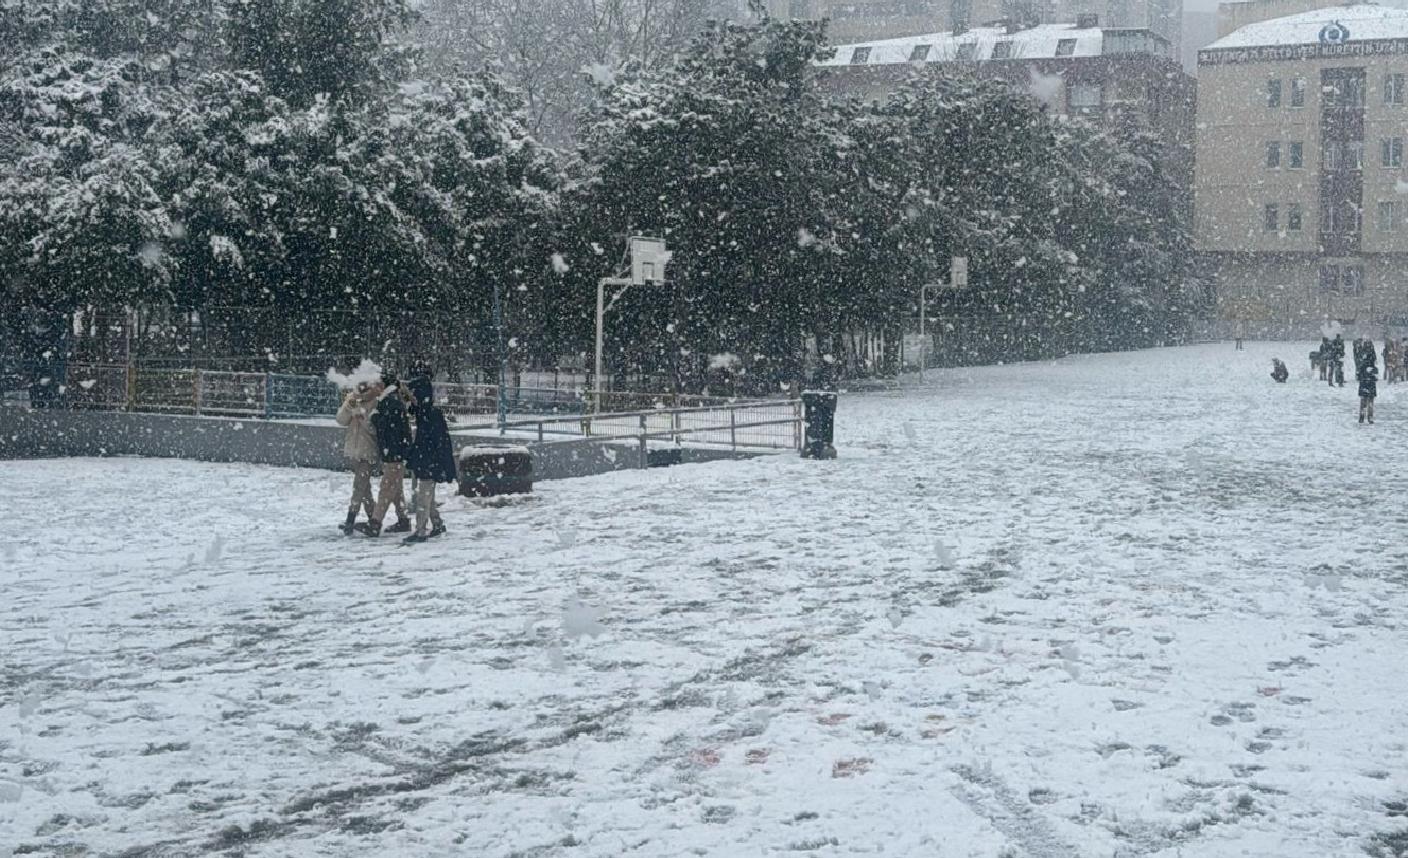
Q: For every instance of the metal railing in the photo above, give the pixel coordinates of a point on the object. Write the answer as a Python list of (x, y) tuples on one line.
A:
[(631, 416), (765, 425)]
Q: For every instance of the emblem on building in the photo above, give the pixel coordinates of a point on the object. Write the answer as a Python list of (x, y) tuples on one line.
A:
[(1334, 33)]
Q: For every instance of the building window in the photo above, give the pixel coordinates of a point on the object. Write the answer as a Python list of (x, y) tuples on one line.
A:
[(1343, 219), (1352, 279), (1295, 155), (1333, 154), (967, 50), (1271, 217), (1273, 154), (1273, 92), (1342, 279), (1389, 216), (1002, 50), (1393, 89), (1066, 48), (1391, 151), (1354, 154), (1344, 91), (860, 56), (1086, 95), (1293, 217), (1298, 92), (920, 53)]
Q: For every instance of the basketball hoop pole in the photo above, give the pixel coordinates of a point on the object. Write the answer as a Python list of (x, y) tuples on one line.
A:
[(648, 259), (601, 285)]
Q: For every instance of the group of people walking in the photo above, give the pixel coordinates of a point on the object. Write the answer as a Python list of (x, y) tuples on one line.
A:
[(1328, 361), (378, 416)]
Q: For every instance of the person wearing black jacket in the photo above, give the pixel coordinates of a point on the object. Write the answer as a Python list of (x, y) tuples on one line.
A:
[(1336, 374), (431, 458), (1368, 389), (393, 437)]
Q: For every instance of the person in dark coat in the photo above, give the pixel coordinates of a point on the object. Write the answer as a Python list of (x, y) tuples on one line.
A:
[(1336, 374), (1323, 356), (1279, 373), (1368, 389), (393, 436), (1364, 356), (431, 458)]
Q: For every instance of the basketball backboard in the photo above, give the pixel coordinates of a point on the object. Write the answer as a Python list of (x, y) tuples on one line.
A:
[(648, 259)]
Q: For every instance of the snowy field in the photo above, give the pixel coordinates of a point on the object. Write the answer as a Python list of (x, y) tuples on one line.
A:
[(1117, 605)]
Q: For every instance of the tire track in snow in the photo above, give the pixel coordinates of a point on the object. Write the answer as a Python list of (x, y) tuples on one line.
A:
[(986, 795)]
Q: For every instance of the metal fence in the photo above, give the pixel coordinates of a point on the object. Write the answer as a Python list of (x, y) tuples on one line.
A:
[(765, 425), (557, 412)]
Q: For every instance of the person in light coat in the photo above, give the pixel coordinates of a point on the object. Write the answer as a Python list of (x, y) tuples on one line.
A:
[(360, 448)]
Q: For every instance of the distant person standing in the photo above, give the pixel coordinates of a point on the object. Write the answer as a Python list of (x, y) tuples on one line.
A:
[(1336, 375), (360, 448), (1323, 357), (1393, 358), (431, 459), (1368, 389)]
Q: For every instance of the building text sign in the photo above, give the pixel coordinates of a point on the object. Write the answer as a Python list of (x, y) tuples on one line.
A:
[(1324, 50)]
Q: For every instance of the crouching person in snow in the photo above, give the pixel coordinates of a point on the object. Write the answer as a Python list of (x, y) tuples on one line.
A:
[(1279, 373), (431, 458), (393, 438), (359, 448), (1368, 389)]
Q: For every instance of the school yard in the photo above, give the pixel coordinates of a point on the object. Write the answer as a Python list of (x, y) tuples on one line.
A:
[(1114, 605)]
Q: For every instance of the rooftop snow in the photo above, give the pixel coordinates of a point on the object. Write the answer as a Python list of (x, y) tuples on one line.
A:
[(1363, 21), (1036, 43)]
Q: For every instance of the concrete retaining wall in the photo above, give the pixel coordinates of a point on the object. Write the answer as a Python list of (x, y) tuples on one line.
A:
[(48, 433)]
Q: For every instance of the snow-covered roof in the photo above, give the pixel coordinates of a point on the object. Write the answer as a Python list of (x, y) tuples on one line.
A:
[(981, 43), (1357, 22)]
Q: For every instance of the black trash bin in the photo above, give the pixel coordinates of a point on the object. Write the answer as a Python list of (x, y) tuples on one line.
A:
[(819, 417), (492, 471)]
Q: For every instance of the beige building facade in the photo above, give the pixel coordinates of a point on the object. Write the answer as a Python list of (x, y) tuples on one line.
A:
[(1300, 192)]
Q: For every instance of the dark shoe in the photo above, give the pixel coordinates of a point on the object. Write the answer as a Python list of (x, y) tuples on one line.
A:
[(437, 530), (415, 538), (401, 526), (346, 526), (371, 528)]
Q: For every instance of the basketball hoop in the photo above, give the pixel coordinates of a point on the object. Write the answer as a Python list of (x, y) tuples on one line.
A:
[(648, 260)]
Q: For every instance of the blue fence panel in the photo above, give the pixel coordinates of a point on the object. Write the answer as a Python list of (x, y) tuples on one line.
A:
[(297, 396)]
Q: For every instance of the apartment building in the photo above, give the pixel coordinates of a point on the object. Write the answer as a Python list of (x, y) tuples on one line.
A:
[(1300, 196), (1109, 74), (861, 20)]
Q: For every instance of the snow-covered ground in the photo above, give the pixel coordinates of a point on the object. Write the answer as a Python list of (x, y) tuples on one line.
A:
[(1142, 604)]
